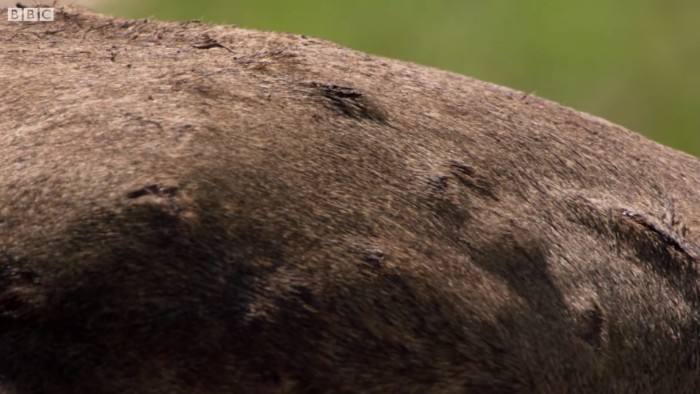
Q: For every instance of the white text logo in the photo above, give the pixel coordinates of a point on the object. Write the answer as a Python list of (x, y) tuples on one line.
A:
[(28, 14)]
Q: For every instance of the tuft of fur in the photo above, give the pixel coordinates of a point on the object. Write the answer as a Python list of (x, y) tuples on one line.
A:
[(188, 208)]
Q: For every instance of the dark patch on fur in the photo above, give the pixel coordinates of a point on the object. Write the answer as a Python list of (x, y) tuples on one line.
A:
[(521, 261), (350, 102), (16, 278), (394, 343), (593, 331), (122, 303)]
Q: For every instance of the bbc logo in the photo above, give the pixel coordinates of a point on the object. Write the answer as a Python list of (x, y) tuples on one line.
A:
[(28, 14)]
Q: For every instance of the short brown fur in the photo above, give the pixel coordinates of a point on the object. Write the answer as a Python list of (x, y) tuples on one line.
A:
[(187, 208)]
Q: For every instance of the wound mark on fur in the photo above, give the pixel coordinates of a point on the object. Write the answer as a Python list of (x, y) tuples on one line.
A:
[(666, 238), (654, 247), (169, 192), (451, 191), (469, 177), (209, 42), (438, 182), (350, 102), (270, 59), (646, 237), (164, 197), (368, 255), (372, 258)]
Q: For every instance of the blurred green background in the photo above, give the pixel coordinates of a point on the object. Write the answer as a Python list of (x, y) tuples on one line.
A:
[(636, 63)]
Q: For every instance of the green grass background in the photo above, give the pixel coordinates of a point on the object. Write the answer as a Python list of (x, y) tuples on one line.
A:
[(636, 63)]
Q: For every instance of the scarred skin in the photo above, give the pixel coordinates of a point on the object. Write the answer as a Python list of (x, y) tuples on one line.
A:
[(187, 208)]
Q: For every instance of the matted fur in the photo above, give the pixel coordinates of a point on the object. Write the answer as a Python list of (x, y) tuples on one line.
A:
[(187, 208)]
